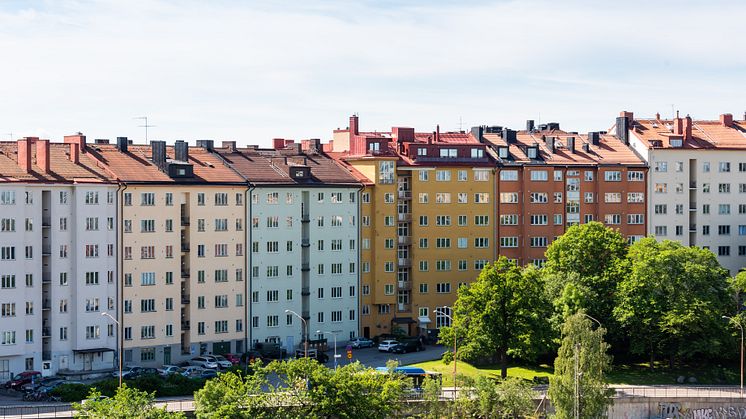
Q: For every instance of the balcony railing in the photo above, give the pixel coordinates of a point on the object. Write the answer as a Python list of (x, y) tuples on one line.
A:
[(405, 285), (185, 299), (185, 273), (185, 325), (404, 308), (184, 221), (404, 262), (305, 267), (185, 247), (404, 240), (405, 217), (405, 194), (46, 332), (306, 291)]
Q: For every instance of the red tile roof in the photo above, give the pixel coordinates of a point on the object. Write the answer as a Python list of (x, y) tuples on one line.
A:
[(61, 168), (656, 133)]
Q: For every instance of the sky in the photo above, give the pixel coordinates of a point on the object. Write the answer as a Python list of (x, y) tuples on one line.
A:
[(251, 71)]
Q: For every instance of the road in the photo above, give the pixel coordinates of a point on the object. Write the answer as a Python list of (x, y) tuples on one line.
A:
[(372, 357)]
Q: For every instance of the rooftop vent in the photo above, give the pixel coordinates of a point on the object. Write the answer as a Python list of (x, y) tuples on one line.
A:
[(509, 136), (529, 125), (181, 151), (594, 137), (122, 144)]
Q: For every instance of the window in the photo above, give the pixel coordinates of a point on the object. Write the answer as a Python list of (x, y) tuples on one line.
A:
[(612, 197), (612, 219), (481, 198), (442, 175), (538, 198), (481, 175), (588, 197), (724, 188), (508, 241), (444, 198), (635, 176), (661, 188), (148, 305), (442, 243), (539, 175), (481, 220), (509, 175), (723, 250), (509, 197), (538, 241), (587, 175), (635, 197), (661, 230), (92, 332), (442, 220), (724, 166), (481, 242), (660, 209), (509, 219), (146, 278), (91, 198), (612, 176), (443, 287), (147, 199), (539, 219), (388, 198), (661, 166), (386, 172), (723, 209), (388, 289), (635, 218)]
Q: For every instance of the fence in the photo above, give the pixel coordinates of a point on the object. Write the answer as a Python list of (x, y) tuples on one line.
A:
[(678, 391), (65, 410)]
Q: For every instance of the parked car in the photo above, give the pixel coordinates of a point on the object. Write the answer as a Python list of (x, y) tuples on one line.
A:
[(412, 345), (398, 349), (252, 356), (271, 350), (21, 379), (167, 370), (126, 371), (140, 371), (361, 342), (313, 354), (208, 374), (386, 345), (204, 362), (234, 358), (218, 359), (38, 384), (192, 371)]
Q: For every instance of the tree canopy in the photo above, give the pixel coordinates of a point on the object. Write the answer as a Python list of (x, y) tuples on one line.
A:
[(502, 313)]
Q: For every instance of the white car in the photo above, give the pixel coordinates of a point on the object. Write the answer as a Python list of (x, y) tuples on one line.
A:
[(204, 362), (221, 361), (386, 345), (192, 371), (167, 370)]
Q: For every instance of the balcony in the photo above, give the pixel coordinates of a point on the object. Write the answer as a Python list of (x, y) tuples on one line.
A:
[(306, 315), (305, 243), (185, 247), (305, 267), (46, 278), (693, 228), (46, 250), (185, 273), (405, 285), (404, 308), (405, 217), (406, 195), (404, 262), (46, 332), (46, 222), (404, 240), (306, 291), (185, 325), (46, 356), (185, 299), (692, 209), (184, 221), (305, 218), (692, 185), (46, 305)]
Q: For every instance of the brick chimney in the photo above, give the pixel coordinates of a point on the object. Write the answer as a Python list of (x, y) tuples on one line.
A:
[(629, 116), (278, 143), (678, 125), (230, 146), (726, 120), (687, 128), (354, 127), (42, 155), (24, 154), (75, 153), (78, 139)]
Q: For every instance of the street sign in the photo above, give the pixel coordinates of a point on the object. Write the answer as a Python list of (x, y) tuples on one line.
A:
[(349, 355), (338, 355)]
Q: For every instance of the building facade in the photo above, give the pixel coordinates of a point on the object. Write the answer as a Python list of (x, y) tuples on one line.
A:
[(697, 182), (58, 259), (303, 243)]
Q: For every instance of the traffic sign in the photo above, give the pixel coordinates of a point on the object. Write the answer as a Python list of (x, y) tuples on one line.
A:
[(349, 355)]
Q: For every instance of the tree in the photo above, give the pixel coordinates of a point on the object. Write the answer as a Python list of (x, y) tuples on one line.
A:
[(501, 314), (673, 300), (583, 268), (126, 403), (302, 388), (582, 360)]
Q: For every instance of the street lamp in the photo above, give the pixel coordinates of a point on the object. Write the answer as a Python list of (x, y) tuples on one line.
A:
[(305, 329), (453, 323), (740, 326), (335, 345), (121, 344), (592, 318)]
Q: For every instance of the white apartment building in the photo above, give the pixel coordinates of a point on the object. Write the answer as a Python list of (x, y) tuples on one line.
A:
[(57, 260), (696, 183), (304, 253)]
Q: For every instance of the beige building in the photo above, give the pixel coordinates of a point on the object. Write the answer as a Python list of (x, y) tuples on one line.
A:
[(182, 259)]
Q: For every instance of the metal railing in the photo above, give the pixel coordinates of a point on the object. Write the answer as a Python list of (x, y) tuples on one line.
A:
[(678, 391)]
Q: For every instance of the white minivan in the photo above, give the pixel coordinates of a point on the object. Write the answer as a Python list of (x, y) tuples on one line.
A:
[(386, 345)]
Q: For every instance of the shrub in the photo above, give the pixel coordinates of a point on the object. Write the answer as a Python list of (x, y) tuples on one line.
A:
[(73, 392)]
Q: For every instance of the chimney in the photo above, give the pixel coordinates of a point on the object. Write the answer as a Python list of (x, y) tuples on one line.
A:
[(549, 141), (74, 153), (122, 144), (24, 154), (622, 128), (42, 155), (529, 125), (678, 125), (476, 132), (593, 138), (278, 143), (77, 138), (657, 116), (354, 125), (437, 133), (159, 153), (206, 144), (509, 136), (571, 144), (230, 146), (629, 116), (181, 151), (726, 120), (687, 128)]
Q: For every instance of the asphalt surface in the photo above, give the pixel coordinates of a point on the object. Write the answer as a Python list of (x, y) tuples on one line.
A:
[(372, 357)]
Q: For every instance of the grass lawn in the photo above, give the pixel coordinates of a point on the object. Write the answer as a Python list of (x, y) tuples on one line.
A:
[(633, 374)]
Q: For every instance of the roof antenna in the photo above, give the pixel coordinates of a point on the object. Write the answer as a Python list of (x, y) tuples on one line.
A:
[(10, 134), (146, 126), (460, 125)]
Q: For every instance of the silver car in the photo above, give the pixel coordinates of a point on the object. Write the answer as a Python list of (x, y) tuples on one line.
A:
[(203, 362), (222, 362)]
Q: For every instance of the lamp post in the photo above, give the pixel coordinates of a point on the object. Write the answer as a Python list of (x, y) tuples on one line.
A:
[(121, 344), (740, 326), (455, 348), (592, 318), (305, 329), (335, 346)]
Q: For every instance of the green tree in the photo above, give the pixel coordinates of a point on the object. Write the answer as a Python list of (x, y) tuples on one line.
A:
[(127, 403), (673, 300), (582, 360), (503, 313), (303, 388), (582, 270)]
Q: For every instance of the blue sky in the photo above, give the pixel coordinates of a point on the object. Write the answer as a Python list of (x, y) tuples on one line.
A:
[(251, 71)]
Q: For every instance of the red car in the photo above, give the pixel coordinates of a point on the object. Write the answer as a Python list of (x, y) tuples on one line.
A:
[(19, 380), (233, 358)]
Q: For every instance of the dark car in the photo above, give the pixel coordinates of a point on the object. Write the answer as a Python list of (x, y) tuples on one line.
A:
[(251, 356), (208, 374), (407, 346), (21, 379), (141, 371), (46, 382)]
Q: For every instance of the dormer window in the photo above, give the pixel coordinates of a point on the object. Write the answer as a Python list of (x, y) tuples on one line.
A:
[(299, 173), (502, 152), (374, 147), (677, 143), (532, 152), (448, 153), (422, 151), (477, 153)]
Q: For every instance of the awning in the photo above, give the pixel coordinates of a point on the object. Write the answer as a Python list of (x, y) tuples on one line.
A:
[(424, 320), (403, 320), (92, 350)]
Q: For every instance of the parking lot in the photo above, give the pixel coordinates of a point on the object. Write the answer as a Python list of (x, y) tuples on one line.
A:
[(371, 357)]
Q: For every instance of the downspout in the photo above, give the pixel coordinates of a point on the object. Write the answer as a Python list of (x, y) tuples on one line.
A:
[(248, 261), (120, 266), (359, 293)]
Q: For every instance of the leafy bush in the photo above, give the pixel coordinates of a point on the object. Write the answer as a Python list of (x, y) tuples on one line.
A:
[(73, 392)]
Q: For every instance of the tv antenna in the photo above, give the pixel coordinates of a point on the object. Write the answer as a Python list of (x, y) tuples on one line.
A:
[(460, 124), (146, 126)]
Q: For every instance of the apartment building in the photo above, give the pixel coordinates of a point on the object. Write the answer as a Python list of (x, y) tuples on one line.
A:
[(697, 182), (182, 259), (549, 180), (57, 259), (304, 251), (437, 207)]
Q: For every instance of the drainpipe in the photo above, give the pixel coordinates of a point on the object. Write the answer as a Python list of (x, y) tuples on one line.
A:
[(120, 266)]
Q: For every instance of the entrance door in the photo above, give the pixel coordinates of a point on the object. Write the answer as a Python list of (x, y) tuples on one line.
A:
[(366, 332), (87, 362), (290, 342), (64, 362), (167, 355)]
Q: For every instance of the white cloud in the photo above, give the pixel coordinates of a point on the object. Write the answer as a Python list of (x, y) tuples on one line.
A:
[(253, 71)]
